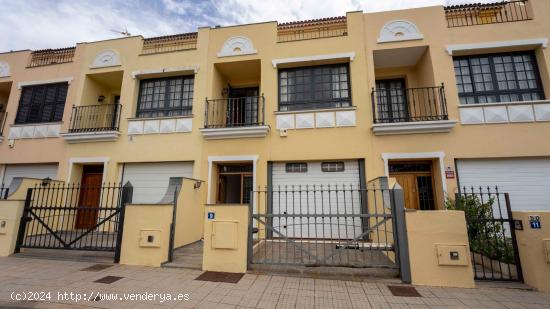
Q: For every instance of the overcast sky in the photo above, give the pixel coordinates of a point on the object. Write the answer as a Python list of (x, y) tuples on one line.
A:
[(38, 24)]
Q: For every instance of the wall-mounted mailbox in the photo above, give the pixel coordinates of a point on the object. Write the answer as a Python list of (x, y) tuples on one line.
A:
[(149, 238), (224, 234), (452, 255), (3, 226), (547, 249)]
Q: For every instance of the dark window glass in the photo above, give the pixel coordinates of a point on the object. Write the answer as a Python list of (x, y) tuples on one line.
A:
[(42, 103), (495, 78), (163, 97), (326, 86), (332, 166), (296, 167), (409, 167)]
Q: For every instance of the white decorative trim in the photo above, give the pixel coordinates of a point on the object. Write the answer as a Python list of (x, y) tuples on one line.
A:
[(237, 132), (451, 49), (399, 30), (487, 113), (106, 58), (237, 46), (417, 155), (442, 126), (162, 125), (183, 69), (245, 158), (39, 130), (87, 137), (327, 118), (277, 62), (43, 82), (104, 160), (4, 69)]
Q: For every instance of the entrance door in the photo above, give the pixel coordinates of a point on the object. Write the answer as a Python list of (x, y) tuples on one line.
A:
[(90, 196), (234, 183), (242, 109), (392, 100), (416, 179)]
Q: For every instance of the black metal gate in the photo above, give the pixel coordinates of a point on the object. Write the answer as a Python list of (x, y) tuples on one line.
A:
[(316, 225), (74, 217), (491, 233)]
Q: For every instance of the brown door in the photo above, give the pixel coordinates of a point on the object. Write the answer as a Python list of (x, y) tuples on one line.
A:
[(408, 183), (90, 195)]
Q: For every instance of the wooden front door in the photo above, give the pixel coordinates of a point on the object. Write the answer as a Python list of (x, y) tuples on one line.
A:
[(89, 199), (416, 179)]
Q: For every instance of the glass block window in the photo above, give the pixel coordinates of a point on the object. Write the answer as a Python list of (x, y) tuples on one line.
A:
[(316, 87), (332, 166), (162, 97), (296, 167), (494, 78), (42, 103)]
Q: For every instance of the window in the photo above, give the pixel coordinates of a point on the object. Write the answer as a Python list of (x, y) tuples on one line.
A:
[(326, 86), (296, 167), (495, 78), (161, 97), (42, 103), (332, 166)]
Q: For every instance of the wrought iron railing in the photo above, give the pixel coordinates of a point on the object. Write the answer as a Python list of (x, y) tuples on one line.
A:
[(392, 105), (312, 29), (3, 192), (92, 118), (170, 43), (51, 56), (235, 112), (489, 13), (3, 117)]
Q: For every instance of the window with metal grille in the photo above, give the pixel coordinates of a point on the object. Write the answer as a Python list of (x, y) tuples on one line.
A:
[(161, 97), (494, 78), (332, 166), (326, 86), (42, 103), (296, 167)]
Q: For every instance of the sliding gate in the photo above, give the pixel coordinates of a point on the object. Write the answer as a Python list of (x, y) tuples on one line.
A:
[(74, 217), (336, 225)]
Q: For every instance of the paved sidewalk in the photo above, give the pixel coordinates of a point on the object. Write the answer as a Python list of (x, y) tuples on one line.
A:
[(252, 291)]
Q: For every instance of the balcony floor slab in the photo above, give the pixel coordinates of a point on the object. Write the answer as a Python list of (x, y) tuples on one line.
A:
[(235, 132), (440, 126), (90, 137)]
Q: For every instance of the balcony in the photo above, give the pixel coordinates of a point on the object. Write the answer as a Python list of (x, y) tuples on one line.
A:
[(3, 117), (398, 110), (94, 123), (237, 117), (51, 56), (489, 13), (312, 29), (169, 43)]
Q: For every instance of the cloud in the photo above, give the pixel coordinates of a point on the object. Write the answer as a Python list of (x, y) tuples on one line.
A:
[(38, 24)]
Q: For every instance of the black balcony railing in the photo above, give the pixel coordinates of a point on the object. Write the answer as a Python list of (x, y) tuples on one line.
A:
[(235, 112), (51, 56), (489, 13), (93, 118), (3, 117), (391, 105)]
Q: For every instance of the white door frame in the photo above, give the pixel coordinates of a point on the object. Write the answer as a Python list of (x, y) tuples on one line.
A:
[(418, 155), (212, 159), (73, 161)]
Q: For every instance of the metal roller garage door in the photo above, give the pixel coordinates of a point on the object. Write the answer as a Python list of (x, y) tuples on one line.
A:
[(150, 180), (291, 196), (39, 171), (526, 180)]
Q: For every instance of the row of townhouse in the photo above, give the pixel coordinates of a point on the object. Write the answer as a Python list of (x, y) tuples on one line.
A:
[(437, 97)]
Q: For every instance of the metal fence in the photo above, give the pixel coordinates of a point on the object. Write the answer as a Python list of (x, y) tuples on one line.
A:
[(74, 217), (3, 117), (91, 118), (235, 112), (51, 56), (320, 225), (170, 43), (491, 233), (490, 13), (391, 105), (312, 29)]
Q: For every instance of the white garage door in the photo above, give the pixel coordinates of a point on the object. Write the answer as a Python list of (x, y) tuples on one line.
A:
[(39, 171), (150, 180), (312, 201), (526, 180)]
